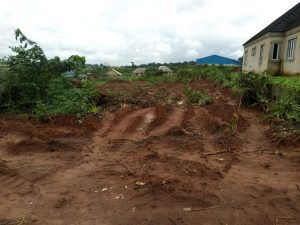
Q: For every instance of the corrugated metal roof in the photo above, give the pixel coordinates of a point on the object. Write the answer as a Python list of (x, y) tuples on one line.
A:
[(69, 74), (218, 60), (114, 72), (139, 70), (285, 22), (165, 69)]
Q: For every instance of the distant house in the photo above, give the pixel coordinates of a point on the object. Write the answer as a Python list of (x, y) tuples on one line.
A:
[(218, 60), (165, 69), (113, 73), (275, 49), (139, 72), (69, 74), (83, 77)]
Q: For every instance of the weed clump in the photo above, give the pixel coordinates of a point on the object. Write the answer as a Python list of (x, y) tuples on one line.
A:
[(197, 97)]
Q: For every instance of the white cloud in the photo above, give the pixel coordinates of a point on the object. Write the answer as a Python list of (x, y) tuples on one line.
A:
[(142, 31)]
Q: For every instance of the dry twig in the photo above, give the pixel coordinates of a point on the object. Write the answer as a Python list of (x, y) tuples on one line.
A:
[(215, 153)]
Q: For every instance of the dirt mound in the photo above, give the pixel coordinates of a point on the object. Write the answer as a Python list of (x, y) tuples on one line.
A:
[(161, 115), (174, 191), (176, 131), (36, 145), (60, 126), (162, 164), (5, 170), (21, 221)]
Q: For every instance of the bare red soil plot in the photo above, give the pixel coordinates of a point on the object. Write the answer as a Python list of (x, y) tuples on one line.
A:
[(152, 159)]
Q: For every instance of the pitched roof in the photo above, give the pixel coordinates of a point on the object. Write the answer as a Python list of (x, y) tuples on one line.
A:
[(285, 22), (165, 69), (69, 74), (219, 60), (139, 70), (114, 72)]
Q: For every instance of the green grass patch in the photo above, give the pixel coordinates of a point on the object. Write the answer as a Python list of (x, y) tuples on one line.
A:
[(198, 97)]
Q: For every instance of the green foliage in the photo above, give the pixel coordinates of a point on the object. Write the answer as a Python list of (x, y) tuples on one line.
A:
[(64, 99), (197, 97), (254, 88), (284, 111), (27, 78), (76, 62), (33, 84), (186, 75), (287, 107)]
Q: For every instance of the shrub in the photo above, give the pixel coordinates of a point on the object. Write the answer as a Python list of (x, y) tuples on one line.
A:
[(254, 88), (197, 97), (287, 107), (65, 99)]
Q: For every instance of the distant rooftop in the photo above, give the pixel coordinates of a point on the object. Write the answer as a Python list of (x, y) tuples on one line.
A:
[(165, 69), (139, 70), (218, 60), (69, 74)]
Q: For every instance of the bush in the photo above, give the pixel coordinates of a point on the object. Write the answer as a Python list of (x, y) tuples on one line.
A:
[(254, 88), (64, 99), (287, 107), (197, 97), (186, 75)]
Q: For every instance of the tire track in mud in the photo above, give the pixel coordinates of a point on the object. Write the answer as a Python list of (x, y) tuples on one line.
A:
[(40, 159), (12, 183), (255, 175), (119, 116), (129, 123), (161, 114), (141, 123), (174, 119)]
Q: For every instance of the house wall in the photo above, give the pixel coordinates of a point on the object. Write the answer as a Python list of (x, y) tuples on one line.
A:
[(252, 63), (292, 67), (282, 65), (275, 66)]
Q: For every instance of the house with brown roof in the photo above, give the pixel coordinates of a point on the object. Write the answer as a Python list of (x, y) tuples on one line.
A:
[(275, 49), (113, 73), (165, 69), (139, 71)]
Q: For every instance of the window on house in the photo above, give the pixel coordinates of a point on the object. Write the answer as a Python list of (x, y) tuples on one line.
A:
[(261, 53), (275, 51), (291, 48), (253, 51), (245, 57)]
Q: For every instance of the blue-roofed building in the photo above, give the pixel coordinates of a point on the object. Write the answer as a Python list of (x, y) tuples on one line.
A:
[(218, 60), (69, 74)]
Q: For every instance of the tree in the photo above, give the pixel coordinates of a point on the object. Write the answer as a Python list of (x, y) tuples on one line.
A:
[(56, 66), (28, 75), (76, 62)]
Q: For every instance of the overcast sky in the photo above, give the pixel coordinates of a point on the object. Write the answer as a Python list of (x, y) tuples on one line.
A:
[(120, 31)]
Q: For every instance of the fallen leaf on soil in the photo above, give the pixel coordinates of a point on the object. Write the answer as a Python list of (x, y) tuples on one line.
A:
[(120, 196), (139, 183), (133, 209), (187, 209)]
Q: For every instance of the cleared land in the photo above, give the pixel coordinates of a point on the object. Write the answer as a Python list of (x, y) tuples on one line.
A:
[(153, 159)]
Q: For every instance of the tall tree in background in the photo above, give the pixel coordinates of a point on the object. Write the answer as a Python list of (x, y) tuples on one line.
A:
[(76, 62), (28, 75)]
